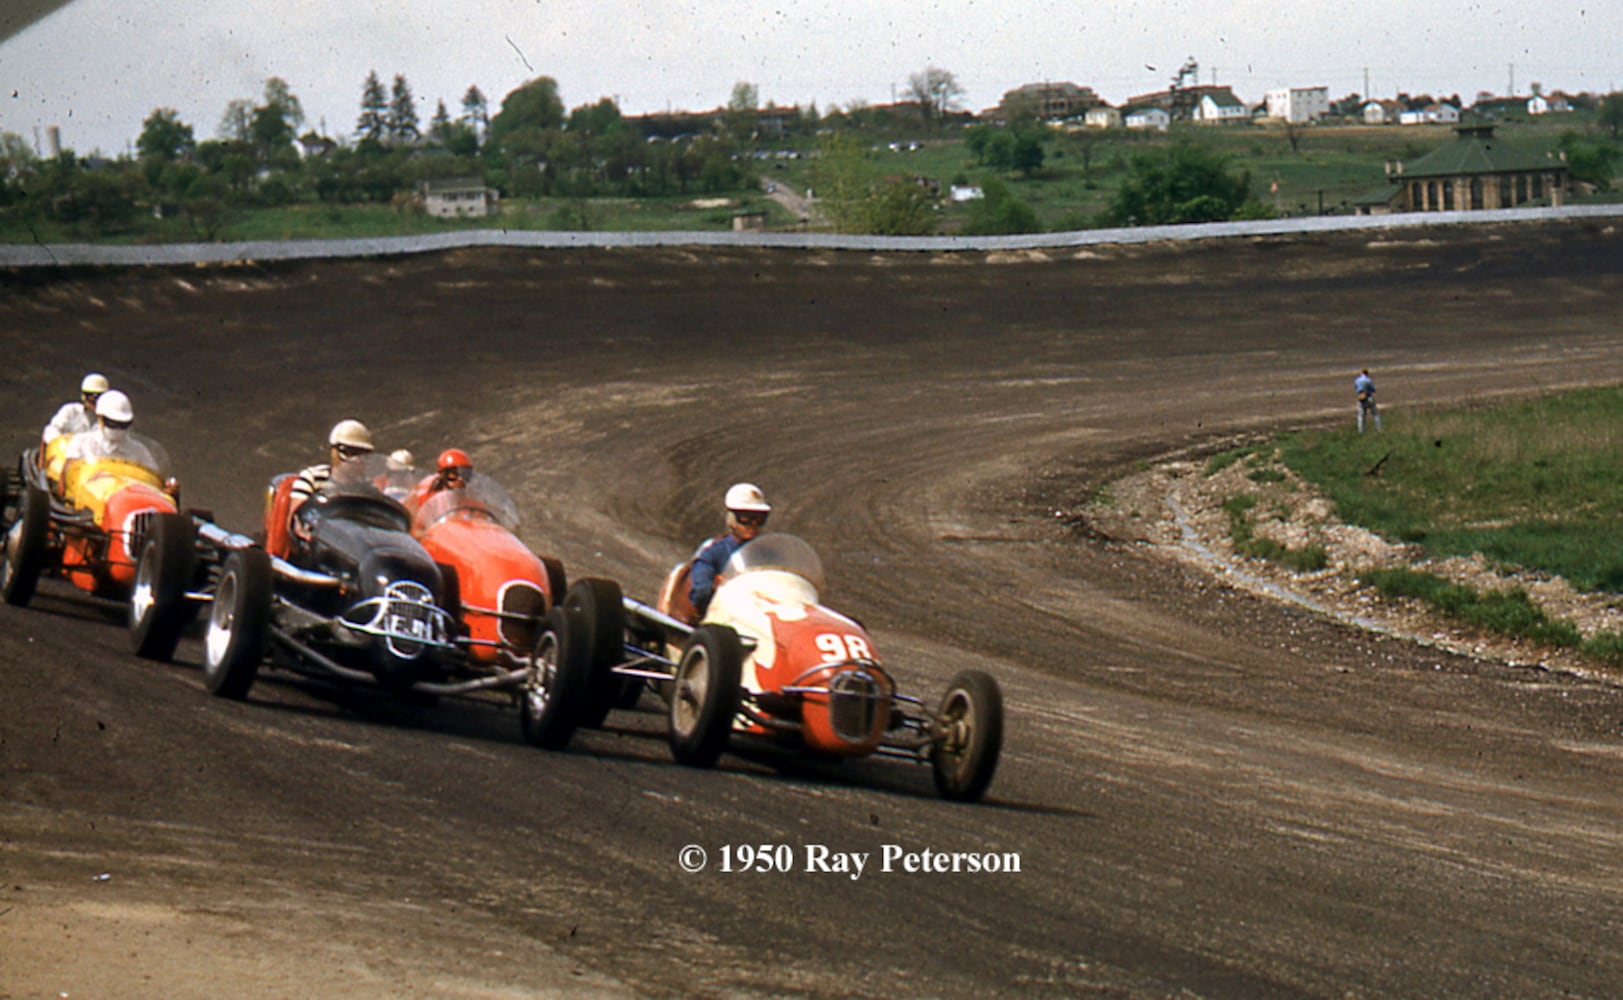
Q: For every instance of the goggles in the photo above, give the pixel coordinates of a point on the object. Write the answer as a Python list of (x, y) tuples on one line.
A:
[(348, 451), (750, 518)]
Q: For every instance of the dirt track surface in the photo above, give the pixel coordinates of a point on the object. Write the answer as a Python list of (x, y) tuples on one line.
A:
[(1210, 795)]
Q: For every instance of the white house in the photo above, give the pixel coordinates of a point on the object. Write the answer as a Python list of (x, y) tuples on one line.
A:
[(459, 196), (1298, 104), (1103, 116), (1382, 112), (1220, 105), (1149, 118), (1431, 114)]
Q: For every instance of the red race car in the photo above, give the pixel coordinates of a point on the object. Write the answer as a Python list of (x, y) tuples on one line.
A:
[(769, 661), (88, 521)]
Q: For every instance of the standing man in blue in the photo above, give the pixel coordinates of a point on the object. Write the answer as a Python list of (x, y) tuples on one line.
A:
[(1364, 387), (747, 511)]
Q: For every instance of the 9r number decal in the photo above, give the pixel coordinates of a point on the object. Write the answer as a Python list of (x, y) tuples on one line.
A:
[(838, 648)]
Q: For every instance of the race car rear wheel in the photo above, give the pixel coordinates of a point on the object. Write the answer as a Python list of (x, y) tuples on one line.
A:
[(600, 602), (158, 608), (560, 669), (705, 695), (971, 731), (25, 543), (235, 640)]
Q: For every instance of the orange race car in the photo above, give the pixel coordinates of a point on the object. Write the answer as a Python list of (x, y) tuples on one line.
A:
[(88, 521), (769, 661)]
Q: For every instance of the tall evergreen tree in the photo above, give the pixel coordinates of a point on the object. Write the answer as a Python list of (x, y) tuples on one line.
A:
[(476, 112), (403, 128), (373, 124), (439, 127)]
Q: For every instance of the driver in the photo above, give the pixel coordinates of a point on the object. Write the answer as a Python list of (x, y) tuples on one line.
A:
[(348, 441), (747, 511), (76, 418), (452, 470), (111, 436)]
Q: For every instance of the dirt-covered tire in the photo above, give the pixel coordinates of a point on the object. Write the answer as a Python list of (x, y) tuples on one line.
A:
[(705, 695), (555, 688), (600, 601), (239, 620), (25, 544), (971, 720), (159, 611)]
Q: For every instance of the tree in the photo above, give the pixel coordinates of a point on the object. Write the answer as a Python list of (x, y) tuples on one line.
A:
[(534, 106), (998, 212), (1611, 112), (1589, 162), (235, 124), (279, 99), (373, 124), (1186, 183), (439, 126), (476, 113), (740, 116), (900, 208), (402, 123), (164, 137), (936, 90), (600, 119)]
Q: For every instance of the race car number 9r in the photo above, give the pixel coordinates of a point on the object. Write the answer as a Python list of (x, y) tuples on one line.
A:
[(838, 648)]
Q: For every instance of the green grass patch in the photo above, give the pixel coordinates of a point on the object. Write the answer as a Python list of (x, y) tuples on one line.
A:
[(1223, 459), (1535, 484), (1507, 612), (1249, 544), (1607, 647)]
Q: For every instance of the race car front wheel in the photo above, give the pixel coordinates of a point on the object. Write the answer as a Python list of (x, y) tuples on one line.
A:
[(705, 695), (25, 543), (158, 609), (970, 736), (238, 620), (555, 689)]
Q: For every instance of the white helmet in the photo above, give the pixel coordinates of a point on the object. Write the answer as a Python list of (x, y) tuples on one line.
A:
[(93, 384), (401, 459), (747, 497), (114, 405), (350, 434)]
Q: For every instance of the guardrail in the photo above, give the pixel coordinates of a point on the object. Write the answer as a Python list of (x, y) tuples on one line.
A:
[(168, 254)]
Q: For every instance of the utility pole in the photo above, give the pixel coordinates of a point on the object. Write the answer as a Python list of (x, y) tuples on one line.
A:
[(1366, 83), (1512, 91)]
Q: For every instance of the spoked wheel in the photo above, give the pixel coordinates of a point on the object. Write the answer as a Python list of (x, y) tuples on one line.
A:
[(158, 608), (705, 695), (971, 729), (560, 670), (25, 544), (238, 623), (605, 618)]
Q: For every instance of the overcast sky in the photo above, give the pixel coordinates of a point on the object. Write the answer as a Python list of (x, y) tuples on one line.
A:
[(98, 68)]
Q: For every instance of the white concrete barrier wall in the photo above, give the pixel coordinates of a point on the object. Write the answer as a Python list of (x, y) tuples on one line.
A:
[(83, 254)]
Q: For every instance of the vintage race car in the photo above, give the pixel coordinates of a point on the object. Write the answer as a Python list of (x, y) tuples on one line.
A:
[(353, 587), (769, 661), (87, 521), (499, 589)]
